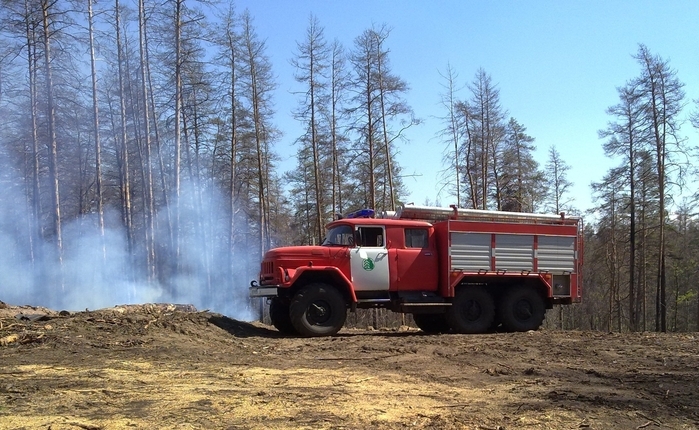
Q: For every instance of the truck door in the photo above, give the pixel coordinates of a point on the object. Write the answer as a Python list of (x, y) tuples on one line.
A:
[(416, 263), (369, 259)]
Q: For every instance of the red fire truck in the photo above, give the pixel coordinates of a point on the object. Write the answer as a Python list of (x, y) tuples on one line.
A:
[(455, 270)]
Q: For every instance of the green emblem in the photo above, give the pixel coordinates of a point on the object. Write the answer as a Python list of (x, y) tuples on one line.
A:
[(367, 264)]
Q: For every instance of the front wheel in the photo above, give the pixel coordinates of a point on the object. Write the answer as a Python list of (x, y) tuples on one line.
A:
[(472, 311), (521, 309), (318, 310)]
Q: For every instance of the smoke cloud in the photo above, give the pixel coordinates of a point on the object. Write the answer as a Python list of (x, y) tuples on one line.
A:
[(99, 271)]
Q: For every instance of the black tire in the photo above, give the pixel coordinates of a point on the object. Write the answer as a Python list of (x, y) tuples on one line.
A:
[(318, 310), (496, 326), (472, 311), (279, 314), (521, 309), (431, 323)]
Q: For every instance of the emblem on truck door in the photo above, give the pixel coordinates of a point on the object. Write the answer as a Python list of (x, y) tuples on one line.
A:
[(367, 262)]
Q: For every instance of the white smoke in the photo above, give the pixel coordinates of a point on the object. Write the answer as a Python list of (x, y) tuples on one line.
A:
[(99, 271)]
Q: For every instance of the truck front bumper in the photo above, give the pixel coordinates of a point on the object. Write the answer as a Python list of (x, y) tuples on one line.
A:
[(262, 291)]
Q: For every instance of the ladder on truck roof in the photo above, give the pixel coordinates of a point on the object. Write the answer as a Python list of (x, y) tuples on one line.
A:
[(431, 213)]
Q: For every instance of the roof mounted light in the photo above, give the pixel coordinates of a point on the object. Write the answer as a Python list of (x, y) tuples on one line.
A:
[(363, 213)]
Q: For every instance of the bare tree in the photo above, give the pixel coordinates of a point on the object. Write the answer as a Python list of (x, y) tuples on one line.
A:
[(258, 85), (311, 63), (229, 43), (557, 182), (96, 126), (484, 119), (145, 146), (47, 9), (379, 118), (610, 191), (339, 80), (647, 197), (31, 46), (364, 113), (122, 157), (663, 99), (625, 135), (176, 119), (392, 107), (453, 131)]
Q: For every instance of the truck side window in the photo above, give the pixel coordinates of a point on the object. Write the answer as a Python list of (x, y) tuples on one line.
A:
[(370, 236), (416, 238)]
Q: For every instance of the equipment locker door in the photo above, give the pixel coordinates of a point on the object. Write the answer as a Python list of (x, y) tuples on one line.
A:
[(416, 262)]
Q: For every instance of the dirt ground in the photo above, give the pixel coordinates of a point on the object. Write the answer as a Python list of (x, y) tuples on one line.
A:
[(171, 367)]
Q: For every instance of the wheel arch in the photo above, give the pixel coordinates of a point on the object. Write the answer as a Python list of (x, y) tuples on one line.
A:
[(539, 285), (326, 275)]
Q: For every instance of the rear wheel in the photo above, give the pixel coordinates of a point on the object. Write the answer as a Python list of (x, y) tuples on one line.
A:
[(521, 309), (431, 323), (472, 311), (318, 310), (279, 314)]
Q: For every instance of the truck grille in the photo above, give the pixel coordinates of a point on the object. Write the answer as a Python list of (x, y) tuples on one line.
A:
[(267, 268)]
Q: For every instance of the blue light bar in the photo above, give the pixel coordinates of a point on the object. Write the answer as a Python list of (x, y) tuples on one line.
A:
[(363, 213)]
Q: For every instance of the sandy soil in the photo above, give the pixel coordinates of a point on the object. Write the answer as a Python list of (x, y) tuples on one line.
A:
[(159, 366)]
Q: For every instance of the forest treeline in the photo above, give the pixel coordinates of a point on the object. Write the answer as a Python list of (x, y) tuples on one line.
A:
[(157, 119)]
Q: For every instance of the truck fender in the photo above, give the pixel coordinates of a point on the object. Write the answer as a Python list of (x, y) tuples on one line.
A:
[(326, 273)]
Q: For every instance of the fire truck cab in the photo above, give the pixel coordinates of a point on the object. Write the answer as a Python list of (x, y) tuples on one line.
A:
[(454, 270)]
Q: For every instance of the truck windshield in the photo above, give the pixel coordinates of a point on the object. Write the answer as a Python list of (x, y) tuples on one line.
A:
[(341, 235)]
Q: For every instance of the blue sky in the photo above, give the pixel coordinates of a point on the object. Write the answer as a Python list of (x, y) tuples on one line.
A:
[(557, 65)]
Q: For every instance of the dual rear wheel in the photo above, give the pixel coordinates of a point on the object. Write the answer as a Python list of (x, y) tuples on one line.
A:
[(521, 309), (474, 310)]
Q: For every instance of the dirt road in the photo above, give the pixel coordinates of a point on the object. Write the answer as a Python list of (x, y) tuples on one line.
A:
[(159, 367)]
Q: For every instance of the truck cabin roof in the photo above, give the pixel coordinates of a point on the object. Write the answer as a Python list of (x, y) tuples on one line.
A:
[(379, 221)]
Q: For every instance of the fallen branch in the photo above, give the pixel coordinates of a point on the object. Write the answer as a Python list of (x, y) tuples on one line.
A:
[(338, 358), (360, 380), (86, 426), (4, 327), (504, 365), (650, 419), (356, 359), (32, 337)]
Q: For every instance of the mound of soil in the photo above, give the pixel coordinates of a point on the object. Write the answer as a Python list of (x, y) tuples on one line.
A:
[(170, 366)]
